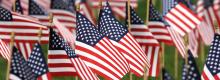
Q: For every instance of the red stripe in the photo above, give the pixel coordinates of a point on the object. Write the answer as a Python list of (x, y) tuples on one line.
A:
[(205, 77)]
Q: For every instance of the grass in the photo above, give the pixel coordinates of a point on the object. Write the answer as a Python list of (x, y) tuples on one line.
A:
[(169, 54)]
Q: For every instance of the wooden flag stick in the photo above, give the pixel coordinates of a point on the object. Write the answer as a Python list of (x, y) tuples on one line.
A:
[(176, 64), (186, 50), (40, 35), (11, 51), (129, 15), (162, 56)]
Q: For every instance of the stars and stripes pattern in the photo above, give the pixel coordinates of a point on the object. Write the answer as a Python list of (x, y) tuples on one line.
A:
[(62, 12), (150, 48), (98, 52), (123, 40), (84, 72), (178, 41), (167, 5), (166, 75), (118, 6), (58, 61), (190, 70), (19, 69), (4, 50), (211, 68), (14, 22), (182, 19), (157, 27), (38, 63), (193, 44), (87, 10)]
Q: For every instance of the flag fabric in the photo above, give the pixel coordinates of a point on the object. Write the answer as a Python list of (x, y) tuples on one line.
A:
[(157, 27), (84, 72), (19, 69), (62, 12), (4, 50), (211, 68), (123, 40), (25, 28), (117, 6), (38, 63), (193, 44), (98, 52), (178, 41), (87, 10), (58, 61), (151, 48), (166, 75), (167, 5), (182, 19), (190, 70), (18, 7)]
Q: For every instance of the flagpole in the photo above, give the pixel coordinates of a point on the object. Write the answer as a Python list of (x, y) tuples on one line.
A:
[(11, 51), (186, 55), (176, 64), (40, 35), (147, 20), (162, 57)]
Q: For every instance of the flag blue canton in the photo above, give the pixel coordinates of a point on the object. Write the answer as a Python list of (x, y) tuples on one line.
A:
[(5, 15), (213, 60), (37, 61), (61, 4), (154, 15), (35, 9), (135, 19), (86, 31), (166, 75), (110, 26), (190, 71), (56, 42), (18, 7), (19, 66)]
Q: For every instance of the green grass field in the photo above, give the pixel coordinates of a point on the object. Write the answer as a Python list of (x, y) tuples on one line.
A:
[(169, 53)]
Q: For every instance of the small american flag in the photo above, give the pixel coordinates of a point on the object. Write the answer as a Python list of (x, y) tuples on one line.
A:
[(118, 6), (58, 61), (38, 63), (147, 41), (81, 68), (63, 14), (4, 50), (123, 40), (182, 19), (26, 30), (98, 52), (19, 67), (190, 70), (157, 27), (211, 68), (178, 41), (166, 75)]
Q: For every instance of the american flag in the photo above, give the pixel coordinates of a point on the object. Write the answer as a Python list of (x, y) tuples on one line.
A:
[(178, 41), (190, 70), (123, 40), (193, 44), (38, 63), (4, 50), (58, 61), (81, 68), (166, 75), (15, 22), (62, 12), (206, 32), (147, 41), (157, 27), (87, 10), (98, 52), (19, 69), (118, 6), (182, 19), (211, 68)]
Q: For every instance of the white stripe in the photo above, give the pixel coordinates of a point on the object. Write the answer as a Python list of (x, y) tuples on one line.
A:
[(54, 61), (154, 65), (44, 77), (138, 26), (62, 12), (158, 30), (155, 23), (22, 49), (147, 40), (63, 69), (176, 28), (162, 37), (28, 47), (25, 37), (14, 77), (17, 30), (56, 52)]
